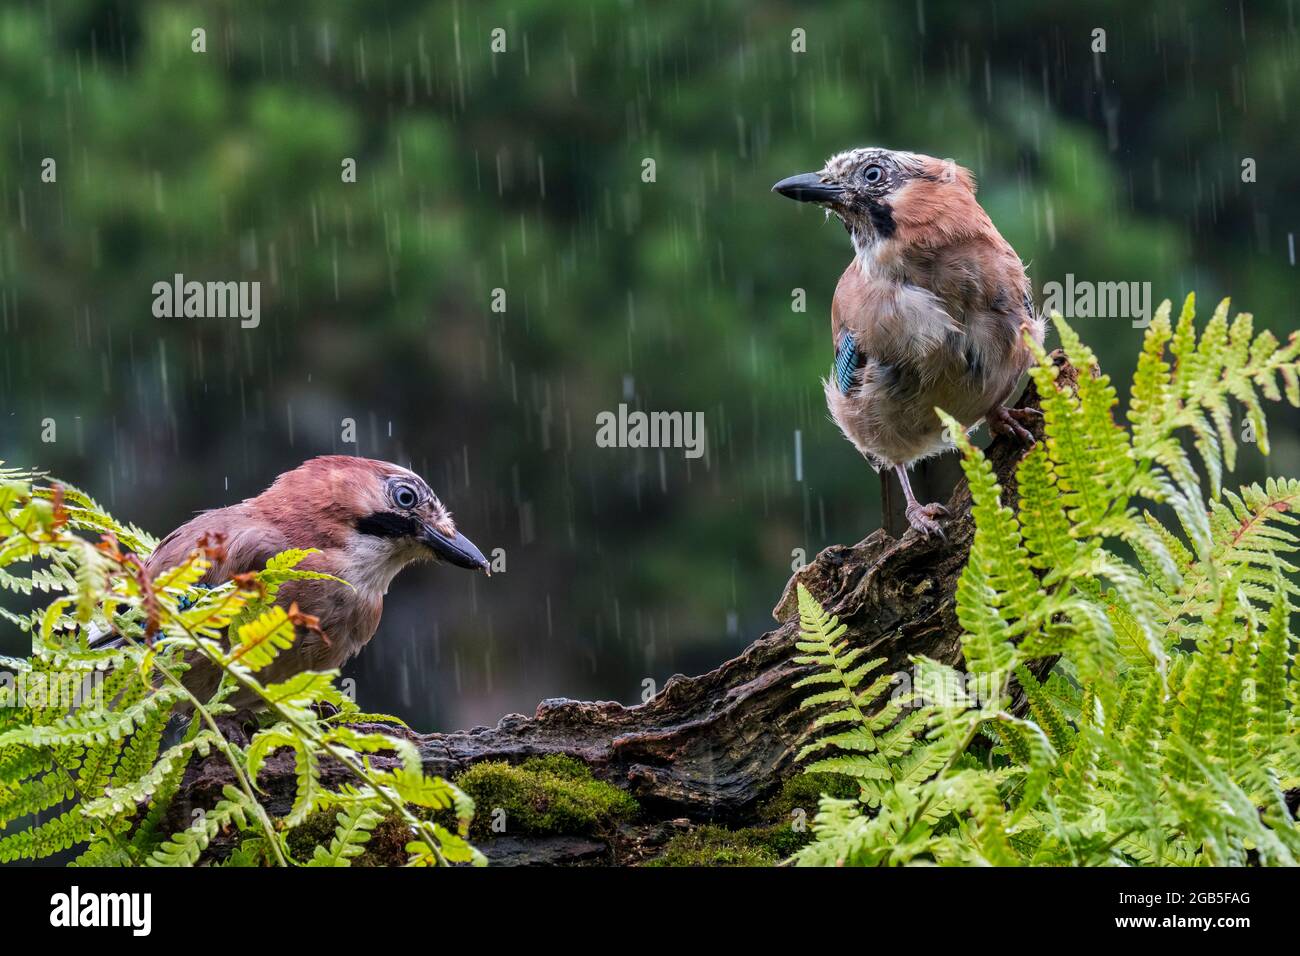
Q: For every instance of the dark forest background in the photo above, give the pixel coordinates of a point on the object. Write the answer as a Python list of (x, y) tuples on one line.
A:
[(522, 170)]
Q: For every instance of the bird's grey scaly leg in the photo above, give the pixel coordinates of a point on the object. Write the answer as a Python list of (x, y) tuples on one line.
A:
[(921, 517)]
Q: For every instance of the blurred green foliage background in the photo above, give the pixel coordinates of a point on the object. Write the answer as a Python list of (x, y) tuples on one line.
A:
[(522, 170)]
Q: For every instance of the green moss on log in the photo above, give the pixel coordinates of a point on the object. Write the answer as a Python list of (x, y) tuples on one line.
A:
[(543, 795), (789, 815), (718, 846), (803, 791)]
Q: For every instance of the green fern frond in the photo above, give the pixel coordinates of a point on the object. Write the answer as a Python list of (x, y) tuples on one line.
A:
[(185, 848), (261, 640), (53, 836), (1052, 723), (1269, 718), (139, 786), (997, 589), (350, 837), (32, 796), (93, 727)]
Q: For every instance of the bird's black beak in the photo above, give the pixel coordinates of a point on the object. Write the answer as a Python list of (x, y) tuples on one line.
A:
[(456, 549), (808, 187)]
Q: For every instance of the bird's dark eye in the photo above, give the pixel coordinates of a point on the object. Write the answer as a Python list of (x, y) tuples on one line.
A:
[(873, 174), (404, 496)]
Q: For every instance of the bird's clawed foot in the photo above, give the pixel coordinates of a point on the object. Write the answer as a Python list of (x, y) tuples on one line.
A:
[(924, 519), (1012, 421)]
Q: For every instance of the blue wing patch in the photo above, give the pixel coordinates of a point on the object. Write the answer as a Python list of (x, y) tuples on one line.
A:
[(186, 602), (847, 362)]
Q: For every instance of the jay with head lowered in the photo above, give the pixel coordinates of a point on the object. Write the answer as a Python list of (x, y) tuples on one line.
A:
[(931, 312), (367, 519)]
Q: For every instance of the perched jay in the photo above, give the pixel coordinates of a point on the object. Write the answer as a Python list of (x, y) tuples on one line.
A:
[(368, 519), (929, 313)]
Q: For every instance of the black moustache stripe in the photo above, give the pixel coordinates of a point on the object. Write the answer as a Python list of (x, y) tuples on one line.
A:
[(388, 524), (882, 218)]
